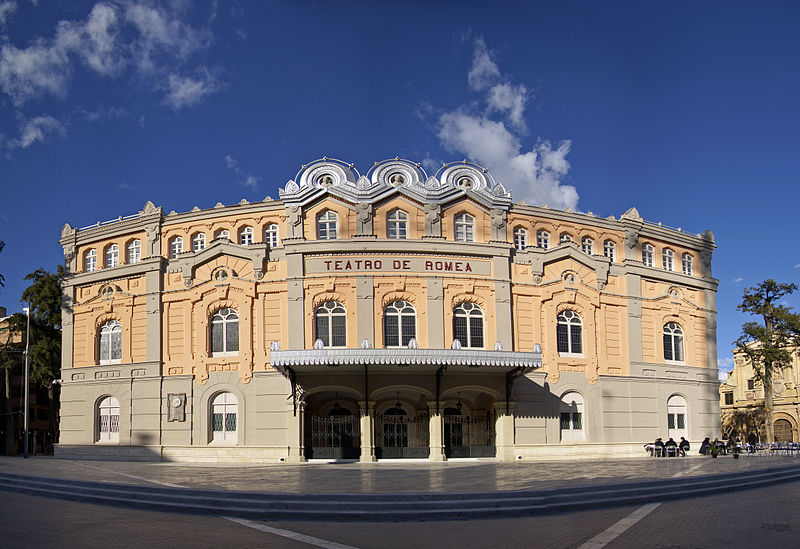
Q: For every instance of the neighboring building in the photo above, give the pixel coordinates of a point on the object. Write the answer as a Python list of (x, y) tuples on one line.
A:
[(741, 400), (386, 315), (12, 398)]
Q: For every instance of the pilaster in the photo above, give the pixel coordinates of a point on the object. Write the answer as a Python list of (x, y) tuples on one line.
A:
[(296, 434), (367, 424), (502, 296), (365, 309), (633, 286), (435, 292), (435, 433), (504, 430)]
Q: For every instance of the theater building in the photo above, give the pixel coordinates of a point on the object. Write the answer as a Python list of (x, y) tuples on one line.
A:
[(384, 316)]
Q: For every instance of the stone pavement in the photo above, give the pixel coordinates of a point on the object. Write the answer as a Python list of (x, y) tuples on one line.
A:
[(389, 477)]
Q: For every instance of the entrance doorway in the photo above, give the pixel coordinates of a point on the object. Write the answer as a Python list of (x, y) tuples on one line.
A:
[(336, 435), (400, 435), (466, 436), (783, 431)]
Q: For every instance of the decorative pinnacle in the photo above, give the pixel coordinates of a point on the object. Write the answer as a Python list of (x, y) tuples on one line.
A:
[(325, 158), (302, 166), (351, 166), (464, 161), (418, 165), (444, 164), (376, 164)]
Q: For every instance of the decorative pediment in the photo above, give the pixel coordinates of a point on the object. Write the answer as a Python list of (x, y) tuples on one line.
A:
[(188, 262), (567, 251)]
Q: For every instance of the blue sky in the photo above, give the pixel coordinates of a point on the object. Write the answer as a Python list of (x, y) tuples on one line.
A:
[(688, 111)]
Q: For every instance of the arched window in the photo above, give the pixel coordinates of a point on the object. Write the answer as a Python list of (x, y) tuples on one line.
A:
[(610, 250), (108, 420), (199, 242), (134, 251), (687, 264), (110, 344), (676, 417), (647, 255), (465, 228), (568, 333), (543, 240), (520, 238), (668, 259), (327, 225), (673, 342), (331, 324), (397, 224), (175, 246), (225, 333), (587, 245), (112, 255), (272, 235), (572, 418), (468, 325), (224, 413), (246, 236), (90, 261), (399, 324), (565, 237), (222, 233)]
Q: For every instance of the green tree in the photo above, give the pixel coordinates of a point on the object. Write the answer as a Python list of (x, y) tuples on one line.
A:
[(2, 278), (769, 343)]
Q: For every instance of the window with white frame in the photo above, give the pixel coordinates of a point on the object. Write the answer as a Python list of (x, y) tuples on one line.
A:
[(587, 245), (225, 333), (399, 324), (542, 240), (134, 251), (224, 415), (331, 324), (272, 235), (676, 417), (610, 250), (112, 255), (199, 242), (572, 419), (569, 334), (397, 224), (108, 420), (520, 238), (465, 228), (90, 261), (327, 225), (565, 237), (688, 267), (110, 342), (673, 342), (648, 253), (468, 325), (176, 246), (668, 259), (222, 233), (246, 236)]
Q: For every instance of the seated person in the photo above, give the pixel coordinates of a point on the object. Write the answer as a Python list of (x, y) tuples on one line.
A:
[(705, 447), (659, 444), (671, 447), (683, 446)]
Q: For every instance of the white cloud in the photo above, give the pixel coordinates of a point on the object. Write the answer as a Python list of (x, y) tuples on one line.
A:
[(725, 366), (797, 266), (184, 91), (7, 9), (249, 180), (104, 113), (36, 130), (533, 175), (484, 71), (737, 280), (153, 39)]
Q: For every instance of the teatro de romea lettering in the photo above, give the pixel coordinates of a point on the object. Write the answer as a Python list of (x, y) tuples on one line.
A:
[(394, 314)]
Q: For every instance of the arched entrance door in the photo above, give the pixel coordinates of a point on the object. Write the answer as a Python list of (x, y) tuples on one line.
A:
[(335, 434), (400, 432), (783, 431), (468, 435)]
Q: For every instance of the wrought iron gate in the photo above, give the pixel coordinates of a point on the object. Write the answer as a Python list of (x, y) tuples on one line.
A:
[(466, 436), (335, 437), (399, 436)]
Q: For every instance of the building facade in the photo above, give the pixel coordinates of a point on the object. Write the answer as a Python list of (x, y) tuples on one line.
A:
[(741, 399), (386, 315)]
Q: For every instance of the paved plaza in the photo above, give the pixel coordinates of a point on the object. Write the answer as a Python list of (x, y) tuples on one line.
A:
[(389, 477)]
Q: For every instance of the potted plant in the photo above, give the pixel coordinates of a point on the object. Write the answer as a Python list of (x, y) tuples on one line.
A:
[(714, 450), (735, 451)]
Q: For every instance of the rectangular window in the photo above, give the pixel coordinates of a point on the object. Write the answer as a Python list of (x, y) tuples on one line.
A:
[(476, 333), (681, 421), (232, 337), (409, 329), (390, 331), (217, 334), (576, 339), (577, 421), (751, 384), (670, 421), (668, 347), (460, 329), (563, 338), (728, 398), (217, 420), (339, 331), (322, 329), (565, 421), (230, 423)]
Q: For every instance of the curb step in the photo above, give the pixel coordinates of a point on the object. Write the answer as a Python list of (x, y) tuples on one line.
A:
[(391, 507)]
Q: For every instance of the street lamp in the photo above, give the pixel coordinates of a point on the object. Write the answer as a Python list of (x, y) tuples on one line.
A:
[(27, 311)]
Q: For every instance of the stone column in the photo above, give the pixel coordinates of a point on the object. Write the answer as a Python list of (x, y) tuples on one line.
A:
[(435, 433), (504, 431), (296, 434), (367, 411)]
